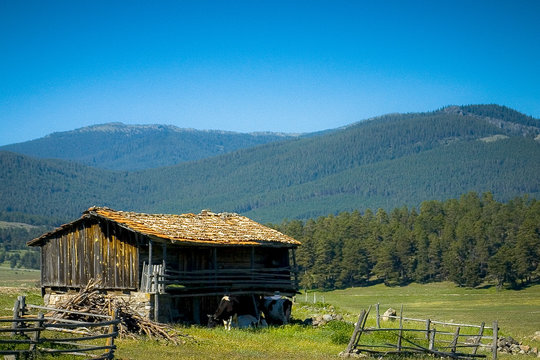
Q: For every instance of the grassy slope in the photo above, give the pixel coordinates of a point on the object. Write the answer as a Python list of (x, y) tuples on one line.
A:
[(518, 313)]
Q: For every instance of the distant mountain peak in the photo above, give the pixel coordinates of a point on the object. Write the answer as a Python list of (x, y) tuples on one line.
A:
[(127, 128)]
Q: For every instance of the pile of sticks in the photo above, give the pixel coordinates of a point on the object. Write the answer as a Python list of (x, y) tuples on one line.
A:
[(91, 300)]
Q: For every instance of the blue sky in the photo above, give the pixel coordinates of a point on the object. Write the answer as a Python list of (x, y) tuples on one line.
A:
[(291, 66)]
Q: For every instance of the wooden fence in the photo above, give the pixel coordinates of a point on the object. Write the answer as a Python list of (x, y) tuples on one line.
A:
[(451, 340), (29, 334)]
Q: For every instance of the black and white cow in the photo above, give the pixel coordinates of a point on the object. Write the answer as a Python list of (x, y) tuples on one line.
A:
[(276, 309), (231, 313), (226, 310)]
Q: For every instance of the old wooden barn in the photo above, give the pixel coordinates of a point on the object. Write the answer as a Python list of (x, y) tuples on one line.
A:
[(172, 267)]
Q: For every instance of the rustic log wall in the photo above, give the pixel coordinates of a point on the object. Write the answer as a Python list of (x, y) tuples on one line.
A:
[(91, 250)]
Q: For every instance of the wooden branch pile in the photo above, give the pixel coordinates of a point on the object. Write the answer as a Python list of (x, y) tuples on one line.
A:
[(90, 300), (446, 345)]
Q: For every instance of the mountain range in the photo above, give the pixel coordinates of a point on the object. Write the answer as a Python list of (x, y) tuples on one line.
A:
[(116, 146), (384, 162)]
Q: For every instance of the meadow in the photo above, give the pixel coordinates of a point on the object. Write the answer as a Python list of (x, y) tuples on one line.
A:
[(518, 314)]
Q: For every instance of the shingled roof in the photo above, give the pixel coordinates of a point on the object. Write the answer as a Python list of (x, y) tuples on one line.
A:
[(206, 228)]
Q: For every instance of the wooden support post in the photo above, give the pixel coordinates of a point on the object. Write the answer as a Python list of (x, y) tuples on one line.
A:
[(400, 329), (453, 344), (149, 284), (495, 339), (196, 310), (256, 308), (164, 248), (214, 257), (252, 263), (356, 333), (428, 325), (478, 338), (294, 268), (378, 316), (432, 339), (156, 297), (37, 333)]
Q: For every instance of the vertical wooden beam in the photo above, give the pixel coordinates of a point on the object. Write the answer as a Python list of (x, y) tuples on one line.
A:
[(197, 310), (162, 286), (432, 339), (356, 333), (495, 339), (15, 323), (400, 328), (454, 342), (295, 270), (378, 319), (37, 333), (149, 283), (252, 263), (164, 255), (113, 328), (478, 338), (214, 260), (428, 325), (44, 269), (156, 304)]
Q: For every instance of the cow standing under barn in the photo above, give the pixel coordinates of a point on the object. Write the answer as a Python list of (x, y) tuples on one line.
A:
[(232, 313), (276, 309)]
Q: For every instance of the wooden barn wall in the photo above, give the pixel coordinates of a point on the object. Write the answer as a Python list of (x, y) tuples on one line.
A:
[(263, 257), (89, 251)]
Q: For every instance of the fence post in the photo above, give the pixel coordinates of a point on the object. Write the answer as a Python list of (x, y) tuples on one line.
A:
[(432, 339), (353, 342), (37, 333), (495, 338), (428, 325), (113, 328), (378, 316), (478, 338), (400, 329), (22, 304), (14, 324), (455, 340)]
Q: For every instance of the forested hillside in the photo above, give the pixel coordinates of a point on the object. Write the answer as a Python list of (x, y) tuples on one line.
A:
[(467, 240), (386, 162), (117, 146)]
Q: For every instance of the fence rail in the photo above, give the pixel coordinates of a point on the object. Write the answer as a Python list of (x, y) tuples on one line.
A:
[(29, 333), (444, 343)]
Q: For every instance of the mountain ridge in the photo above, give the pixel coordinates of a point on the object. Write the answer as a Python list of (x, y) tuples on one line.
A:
[(117, 146), (394, 160)]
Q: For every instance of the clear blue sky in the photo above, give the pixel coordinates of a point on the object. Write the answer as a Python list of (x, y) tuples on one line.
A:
[(292, 66)]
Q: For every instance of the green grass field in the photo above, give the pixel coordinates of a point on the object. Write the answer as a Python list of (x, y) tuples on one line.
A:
[(518, 313)]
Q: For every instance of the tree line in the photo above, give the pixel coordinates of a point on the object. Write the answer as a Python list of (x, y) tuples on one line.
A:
[(469, 241), (13, 249)]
